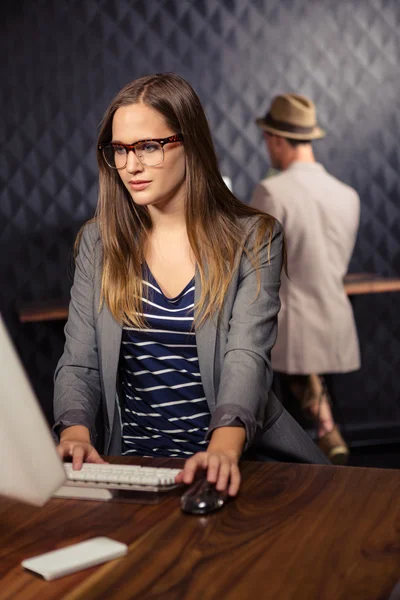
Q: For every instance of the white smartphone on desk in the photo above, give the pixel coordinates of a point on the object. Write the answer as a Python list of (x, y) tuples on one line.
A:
[(75, 558)]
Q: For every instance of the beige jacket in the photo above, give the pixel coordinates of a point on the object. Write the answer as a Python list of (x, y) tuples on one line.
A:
[(320, 216)]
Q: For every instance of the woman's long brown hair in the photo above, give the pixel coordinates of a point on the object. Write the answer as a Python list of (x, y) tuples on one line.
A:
[(212, 211)]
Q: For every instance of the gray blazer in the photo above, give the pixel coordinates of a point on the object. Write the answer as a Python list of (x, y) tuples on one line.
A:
[(234, 357)]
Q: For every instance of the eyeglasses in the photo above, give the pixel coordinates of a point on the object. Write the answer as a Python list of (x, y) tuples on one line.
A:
[(149, 152)]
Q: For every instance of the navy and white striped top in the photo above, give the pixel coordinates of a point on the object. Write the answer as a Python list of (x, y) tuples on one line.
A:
[(163, 407)]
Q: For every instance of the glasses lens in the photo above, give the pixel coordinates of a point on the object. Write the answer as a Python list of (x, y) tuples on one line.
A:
[(115, 156), (150, 153)]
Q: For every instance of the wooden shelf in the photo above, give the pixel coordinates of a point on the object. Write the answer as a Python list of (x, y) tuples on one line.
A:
[(355, 284), (44, 311), (368, 283)]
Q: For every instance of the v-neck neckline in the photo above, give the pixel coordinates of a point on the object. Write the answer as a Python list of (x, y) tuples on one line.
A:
[(178, 296)]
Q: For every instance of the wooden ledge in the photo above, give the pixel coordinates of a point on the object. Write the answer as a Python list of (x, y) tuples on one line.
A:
[(368, 283), (355, 284), (44, 311)]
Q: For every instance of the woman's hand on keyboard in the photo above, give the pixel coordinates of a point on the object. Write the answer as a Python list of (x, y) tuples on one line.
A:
[(75, 443)]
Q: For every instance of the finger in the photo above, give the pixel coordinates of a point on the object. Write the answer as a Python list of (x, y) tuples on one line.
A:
[(223, 475), (179, 477), (62, 451), (94, 457), (235, 480), (78, 454), (198, 461), (214, 461)]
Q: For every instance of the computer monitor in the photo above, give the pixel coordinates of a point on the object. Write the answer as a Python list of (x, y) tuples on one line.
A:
[(30, 468)]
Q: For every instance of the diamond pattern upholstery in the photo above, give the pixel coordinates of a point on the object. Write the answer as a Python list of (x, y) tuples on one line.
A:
[(66, 60)]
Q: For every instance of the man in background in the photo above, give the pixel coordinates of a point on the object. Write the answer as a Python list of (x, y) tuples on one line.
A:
[(320, 215)]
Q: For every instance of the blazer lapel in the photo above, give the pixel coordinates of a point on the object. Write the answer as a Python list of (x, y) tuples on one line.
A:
[(206, 336)]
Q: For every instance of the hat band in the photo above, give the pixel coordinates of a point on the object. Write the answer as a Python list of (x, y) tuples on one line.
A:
[(287, 127)]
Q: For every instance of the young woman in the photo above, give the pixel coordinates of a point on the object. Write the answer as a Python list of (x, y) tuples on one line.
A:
[(174, 305)]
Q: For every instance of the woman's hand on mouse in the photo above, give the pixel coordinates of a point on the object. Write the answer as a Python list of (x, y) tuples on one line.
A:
[(220, 460), (222, 469)]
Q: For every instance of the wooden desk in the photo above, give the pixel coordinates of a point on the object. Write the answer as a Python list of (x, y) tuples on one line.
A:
[(295, 531)]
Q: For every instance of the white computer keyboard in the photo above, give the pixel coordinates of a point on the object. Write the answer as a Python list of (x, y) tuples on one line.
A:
[(122, 477)]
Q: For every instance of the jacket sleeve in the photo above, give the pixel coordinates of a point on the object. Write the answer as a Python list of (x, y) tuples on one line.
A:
[(246, 376), (77, 389)]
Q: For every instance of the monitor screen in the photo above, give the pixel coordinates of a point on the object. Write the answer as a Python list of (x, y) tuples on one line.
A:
[(30, 468)]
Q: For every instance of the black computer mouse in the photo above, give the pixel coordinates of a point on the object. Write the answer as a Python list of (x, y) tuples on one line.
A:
[(202, 497)]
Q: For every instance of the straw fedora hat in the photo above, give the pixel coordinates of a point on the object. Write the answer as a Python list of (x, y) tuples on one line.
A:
[(292, 116)]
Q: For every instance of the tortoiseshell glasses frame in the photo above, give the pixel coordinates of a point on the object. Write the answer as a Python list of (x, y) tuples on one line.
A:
[(150, 152)]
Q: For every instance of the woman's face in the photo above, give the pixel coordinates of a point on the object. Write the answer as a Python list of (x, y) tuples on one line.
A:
[(150, 185)]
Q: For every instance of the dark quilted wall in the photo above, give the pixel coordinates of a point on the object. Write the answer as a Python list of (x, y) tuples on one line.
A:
[(62, 62)]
